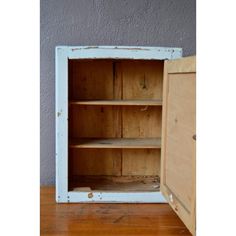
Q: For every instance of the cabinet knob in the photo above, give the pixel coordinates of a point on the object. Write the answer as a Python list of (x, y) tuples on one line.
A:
[(194, 137)]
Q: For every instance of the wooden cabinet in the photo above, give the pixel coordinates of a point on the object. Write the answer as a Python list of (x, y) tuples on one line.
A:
[(125, 126)]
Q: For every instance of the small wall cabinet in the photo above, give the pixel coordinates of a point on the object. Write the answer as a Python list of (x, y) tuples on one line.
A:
[(125, 126)]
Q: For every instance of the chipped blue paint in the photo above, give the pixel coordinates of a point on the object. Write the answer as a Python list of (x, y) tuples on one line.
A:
[(116, 197), (61, 125), (63, 53), (121, 52)]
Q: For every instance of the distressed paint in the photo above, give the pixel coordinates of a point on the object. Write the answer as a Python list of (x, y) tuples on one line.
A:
[(61, 125), (121, 52), (63, 53), (116, 197)]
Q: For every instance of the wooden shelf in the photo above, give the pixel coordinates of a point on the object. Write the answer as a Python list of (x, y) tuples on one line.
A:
[(88, 183), (118, 102), (153, 143)]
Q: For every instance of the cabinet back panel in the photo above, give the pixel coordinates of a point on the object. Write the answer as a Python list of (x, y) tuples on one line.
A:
[(114, 122), (141, 162), (94, 122), (141, 122), (142, 79), (96, 162), (115, 162), (90, 79), (115, 79)]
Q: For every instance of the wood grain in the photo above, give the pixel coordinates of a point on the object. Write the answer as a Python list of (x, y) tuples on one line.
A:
[(178, 167), (94, 122), (95, 161), (106, 219), (141, 162), (142, 79), (141, 122), (156, 102), (115, 183), (91, 79), (129, 143), (179, 142), (182, 65)]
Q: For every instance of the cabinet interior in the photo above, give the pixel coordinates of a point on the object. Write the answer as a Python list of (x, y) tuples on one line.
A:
[(115, 110)]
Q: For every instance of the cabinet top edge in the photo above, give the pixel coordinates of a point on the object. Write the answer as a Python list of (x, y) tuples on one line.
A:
[(119, 52), (145, 48)]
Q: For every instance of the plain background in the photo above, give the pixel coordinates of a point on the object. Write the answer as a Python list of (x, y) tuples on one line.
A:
[(168, 23), (19, 119)]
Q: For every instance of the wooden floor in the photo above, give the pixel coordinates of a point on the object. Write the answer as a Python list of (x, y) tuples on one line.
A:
[(107, 219)]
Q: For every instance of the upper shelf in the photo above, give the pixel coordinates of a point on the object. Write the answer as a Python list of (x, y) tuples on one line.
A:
[(118, 102), (153, 143)]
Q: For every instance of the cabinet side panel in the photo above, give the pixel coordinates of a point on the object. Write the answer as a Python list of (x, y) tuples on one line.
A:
[(61, 125)]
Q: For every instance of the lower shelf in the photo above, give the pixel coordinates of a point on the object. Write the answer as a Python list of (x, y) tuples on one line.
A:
[(146, 102), (115, 183), (116, 143)]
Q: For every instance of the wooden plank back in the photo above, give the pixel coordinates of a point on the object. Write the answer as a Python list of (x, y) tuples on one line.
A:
[(115, 80)]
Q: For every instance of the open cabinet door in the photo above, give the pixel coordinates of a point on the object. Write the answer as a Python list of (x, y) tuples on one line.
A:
[(178, 180)]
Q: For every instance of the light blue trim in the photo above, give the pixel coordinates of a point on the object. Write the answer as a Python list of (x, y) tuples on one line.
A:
[(63, 53), (122, 52), (117, 197), (61, 125)]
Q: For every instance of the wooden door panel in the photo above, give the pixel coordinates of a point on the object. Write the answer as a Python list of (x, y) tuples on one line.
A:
[(178, 140)]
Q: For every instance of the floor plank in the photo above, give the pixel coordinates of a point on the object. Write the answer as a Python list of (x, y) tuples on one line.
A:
[(107, 219)]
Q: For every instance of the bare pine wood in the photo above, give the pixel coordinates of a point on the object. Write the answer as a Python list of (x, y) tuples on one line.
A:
[(118, 102), (95, 121), (95, 161), (116, 143), (182, 65), (141, 122), (141, 162), (178, 142), (91, 79), (106, 219), (142, 79)]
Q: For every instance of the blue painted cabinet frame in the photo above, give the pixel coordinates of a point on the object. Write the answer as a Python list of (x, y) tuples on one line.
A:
[(63, 54)]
